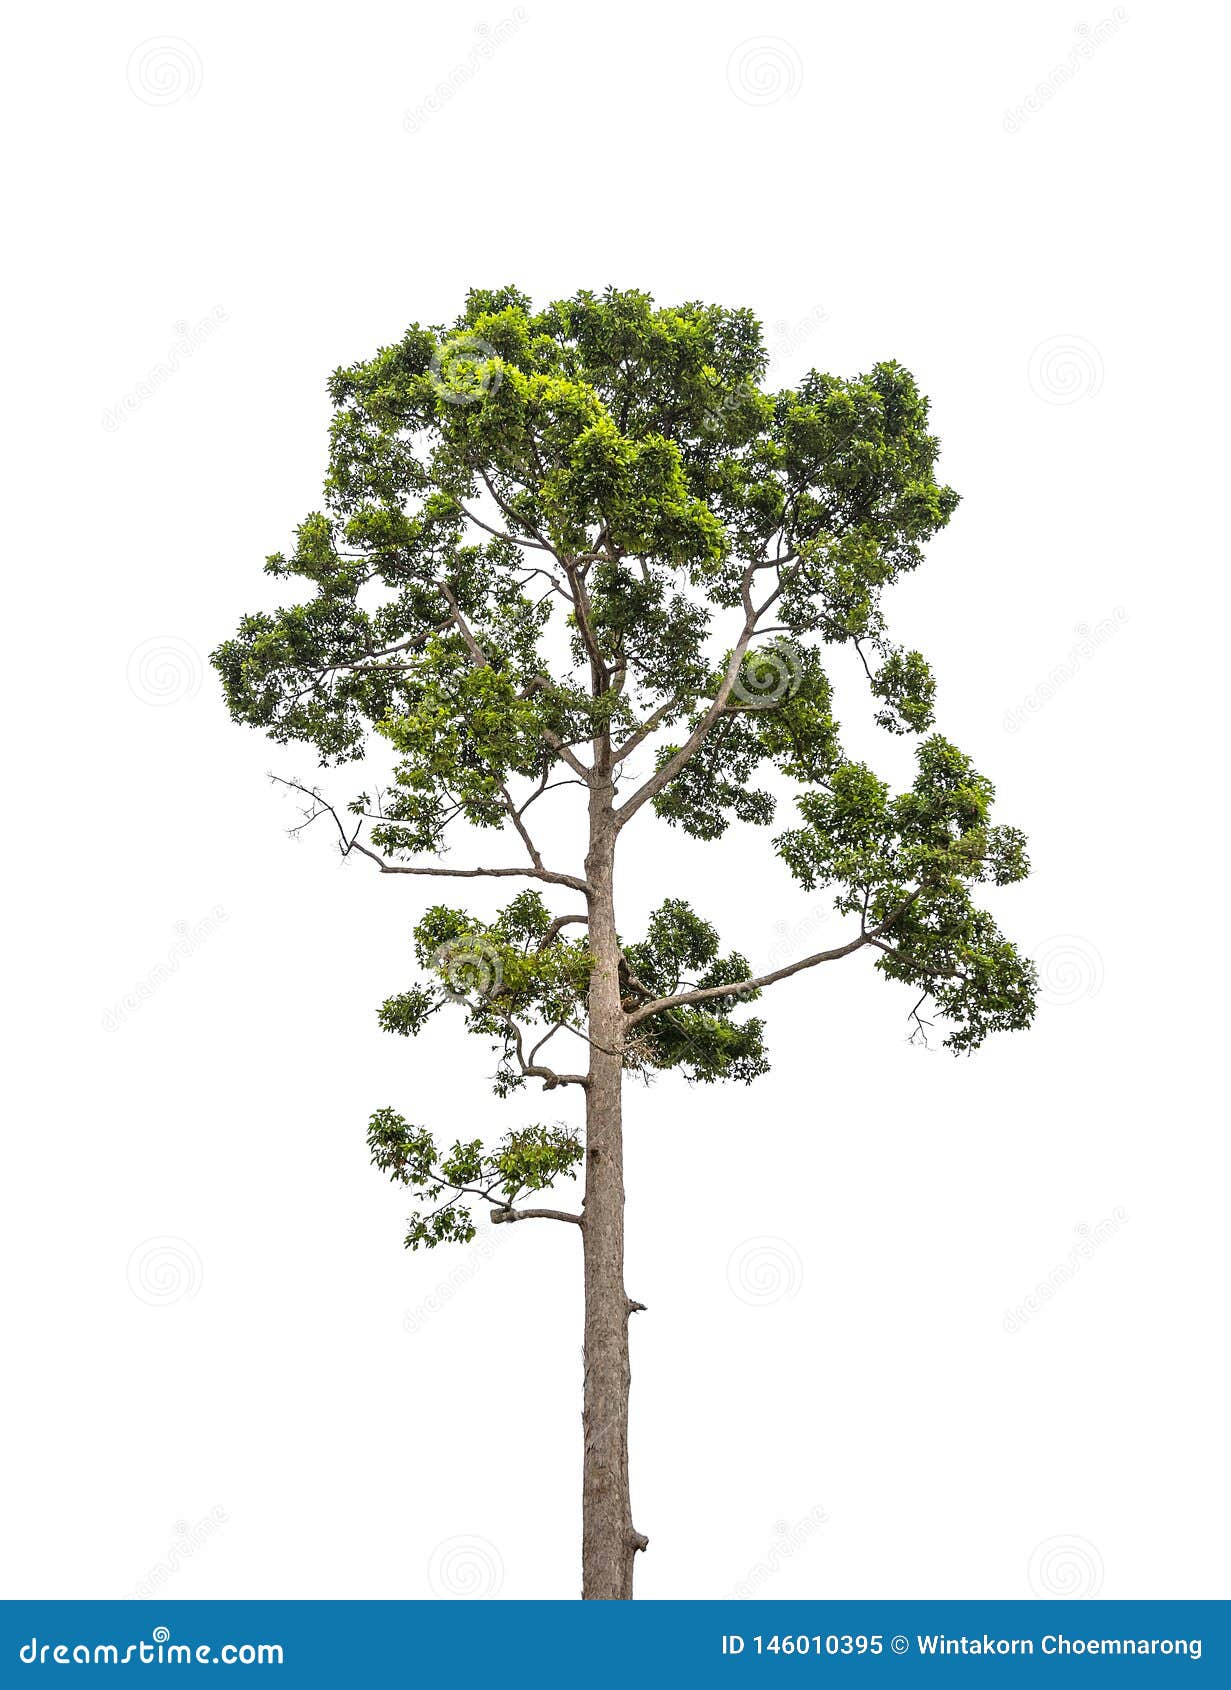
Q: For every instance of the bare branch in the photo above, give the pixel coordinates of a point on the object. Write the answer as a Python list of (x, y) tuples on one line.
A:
[(548, 1036), (536, 1070), (350, 842), (477, 655), (706, 993), (651, 723), (502, 1217), (560, 922), (473, 873), (543, 543), (514, 815), (500, 534)]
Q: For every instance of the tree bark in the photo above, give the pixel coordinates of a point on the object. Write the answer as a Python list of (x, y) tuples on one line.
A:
[(609, 1540)]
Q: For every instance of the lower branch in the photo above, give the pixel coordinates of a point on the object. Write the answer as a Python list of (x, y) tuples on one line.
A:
[(503, 1217)]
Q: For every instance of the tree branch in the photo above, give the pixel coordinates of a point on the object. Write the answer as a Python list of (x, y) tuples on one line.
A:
[(351, 842), (560, 922), (513, 539), (705, 993), (502, 1209), (664, 776), (641, 734), (600, 675), (535, 1070), (502, 1217)]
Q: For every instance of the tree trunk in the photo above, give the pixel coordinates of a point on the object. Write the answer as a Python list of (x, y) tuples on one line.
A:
[(609, 1540)]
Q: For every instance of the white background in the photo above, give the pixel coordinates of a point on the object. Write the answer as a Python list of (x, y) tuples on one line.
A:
[(1052, 283)]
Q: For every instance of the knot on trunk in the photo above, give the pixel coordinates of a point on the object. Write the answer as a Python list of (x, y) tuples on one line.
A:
[(639, 1541)]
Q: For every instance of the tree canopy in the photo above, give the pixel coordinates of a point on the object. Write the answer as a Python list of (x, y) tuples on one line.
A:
[(551, 540)]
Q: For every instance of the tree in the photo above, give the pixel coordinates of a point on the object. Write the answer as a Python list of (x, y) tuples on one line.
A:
[(552, 541)]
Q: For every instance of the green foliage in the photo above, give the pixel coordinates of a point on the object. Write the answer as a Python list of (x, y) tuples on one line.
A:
[(506, 975), (631, 438), (906, 684), (914, 859), (713, 787), (681, 952), (779, 714), (514, 974), (531, 1159)]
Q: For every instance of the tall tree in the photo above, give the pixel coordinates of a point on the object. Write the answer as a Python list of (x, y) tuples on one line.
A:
[(556, 541)]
